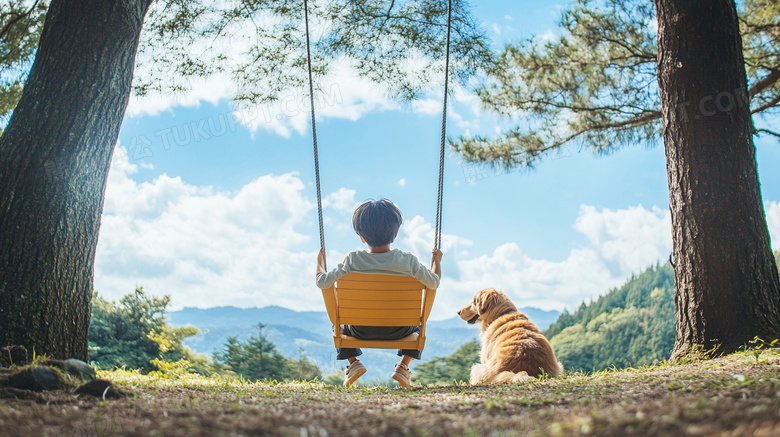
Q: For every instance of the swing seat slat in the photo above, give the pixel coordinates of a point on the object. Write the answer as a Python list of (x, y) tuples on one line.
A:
[(357, 316), (378, 300), (378, 304), (410, 342)]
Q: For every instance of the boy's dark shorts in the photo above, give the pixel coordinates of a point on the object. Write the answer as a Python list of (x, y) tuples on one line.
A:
[(377, 333)]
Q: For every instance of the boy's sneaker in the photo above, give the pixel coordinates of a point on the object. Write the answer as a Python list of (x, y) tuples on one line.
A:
[(403, 375), (353, 372)]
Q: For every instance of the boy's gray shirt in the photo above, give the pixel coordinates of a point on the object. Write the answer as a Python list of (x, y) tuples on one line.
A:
[(394, 262)]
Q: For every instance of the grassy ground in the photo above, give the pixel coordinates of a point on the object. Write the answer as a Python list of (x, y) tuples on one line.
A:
[(735, 395)]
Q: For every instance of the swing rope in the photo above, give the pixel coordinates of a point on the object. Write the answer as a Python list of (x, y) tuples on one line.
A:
[(440, 194), (314, 131), (440, 197)]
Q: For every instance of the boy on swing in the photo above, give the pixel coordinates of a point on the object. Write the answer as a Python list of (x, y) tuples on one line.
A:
[(377, 223)]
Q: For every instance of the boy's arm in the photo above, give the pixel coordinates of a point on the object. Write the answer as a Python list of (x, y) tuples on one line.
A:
[(321, 261), (429, 277), (326, 279), (436, 255)]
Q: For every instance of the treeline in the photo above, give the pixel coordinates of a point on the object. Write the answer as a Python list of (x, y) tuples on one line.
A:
[(452, 369), (134, 334), (628, 327)]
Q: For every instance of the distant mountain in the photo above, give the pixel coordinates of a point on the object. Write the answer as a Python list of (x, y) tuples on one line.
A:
[(309, 333)]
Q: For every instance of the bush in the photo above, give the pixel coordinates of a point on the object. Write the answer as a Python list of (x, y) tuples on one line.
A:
[(258, 359), (448, 370), (134, 334)]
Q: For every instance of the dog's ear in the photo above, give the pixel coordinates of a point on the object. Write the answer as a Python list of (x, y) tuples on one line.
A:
[(485, 300)]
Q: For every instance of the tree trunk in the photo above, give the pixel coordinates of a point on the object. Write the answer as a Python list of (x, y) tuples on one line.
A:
[(727, 289), (54, 160)]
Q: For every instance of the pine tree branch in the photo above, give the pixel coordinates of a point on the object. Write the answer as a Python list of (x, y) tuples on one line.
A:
[(388, 16), (576, 108), (761, 85), (767, 131), (636, 54), (16, 19), (758, 28), (770, 104), (632, 122)]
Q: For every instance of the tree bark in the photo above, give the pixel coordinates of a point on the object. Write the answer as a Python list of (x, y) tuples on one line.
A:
[(54, 160), (727, 289)]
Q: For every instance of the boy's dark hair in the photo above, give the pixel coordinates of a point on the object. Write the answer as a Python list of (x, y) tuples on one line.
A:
[(377, 221)]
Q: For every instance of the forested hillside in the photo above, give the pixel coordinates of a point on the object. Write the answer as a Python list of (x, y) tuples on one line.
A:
[(630, 326)]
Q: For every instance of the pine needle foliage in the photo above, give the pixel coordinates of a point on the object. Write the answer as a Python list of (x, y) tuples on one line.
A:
[(21, 22), (133, 332), (257, 359), (594, 85), (260, 45)]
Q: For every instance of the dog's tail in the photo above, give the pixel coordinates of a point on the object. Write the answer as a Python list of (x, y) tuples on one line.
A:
[(512, 378)]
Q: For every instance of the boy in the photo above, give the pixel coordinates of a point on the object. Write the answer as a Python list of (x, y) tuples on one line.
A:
[(377, 223)]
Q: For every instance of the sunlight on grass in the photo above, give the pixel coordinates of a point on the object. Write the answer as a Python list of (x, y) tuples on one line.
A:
[(732, 392), (172, 379)]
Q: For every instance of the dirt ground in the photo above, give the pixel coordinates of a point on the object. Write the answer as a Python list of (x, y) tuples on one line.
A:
[(735, 395)]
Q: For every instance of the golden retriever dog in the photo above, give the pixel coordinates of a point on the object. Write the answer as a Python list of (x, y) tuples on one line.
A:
[(513, 349)]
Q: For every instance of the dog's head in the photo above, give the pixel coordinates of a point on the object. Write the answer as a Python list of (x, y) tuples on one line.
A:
[(487, 305)]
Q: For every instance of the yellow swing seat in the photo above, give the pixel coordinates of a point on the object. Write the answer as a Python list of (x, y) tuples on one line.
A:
[(378, 300)]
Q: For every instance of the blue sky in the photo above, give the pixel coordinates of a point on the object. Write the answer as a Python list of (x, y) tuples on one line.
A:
[(216, 207)]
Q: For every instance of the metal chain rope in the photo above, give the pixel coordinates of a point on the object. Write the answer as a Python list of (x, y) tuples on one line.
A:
[(440, 198), (314, 129)]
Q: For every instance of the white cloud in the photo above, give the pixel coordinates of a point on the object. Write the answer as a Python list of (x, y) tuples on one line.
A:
[(340, 95), (628, 239), (508, 17), (342, 200), (427, 106), (125, 197), (205, 247), (353, 96), (210, 90), (402, 182), (460, 121), (417, 235), (549, 36), (528, 282), (622, 242), (773, 222)]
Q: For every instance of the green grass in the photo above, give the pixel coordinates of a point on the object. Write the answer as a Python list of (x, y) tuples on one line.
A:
[(736, 395)]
